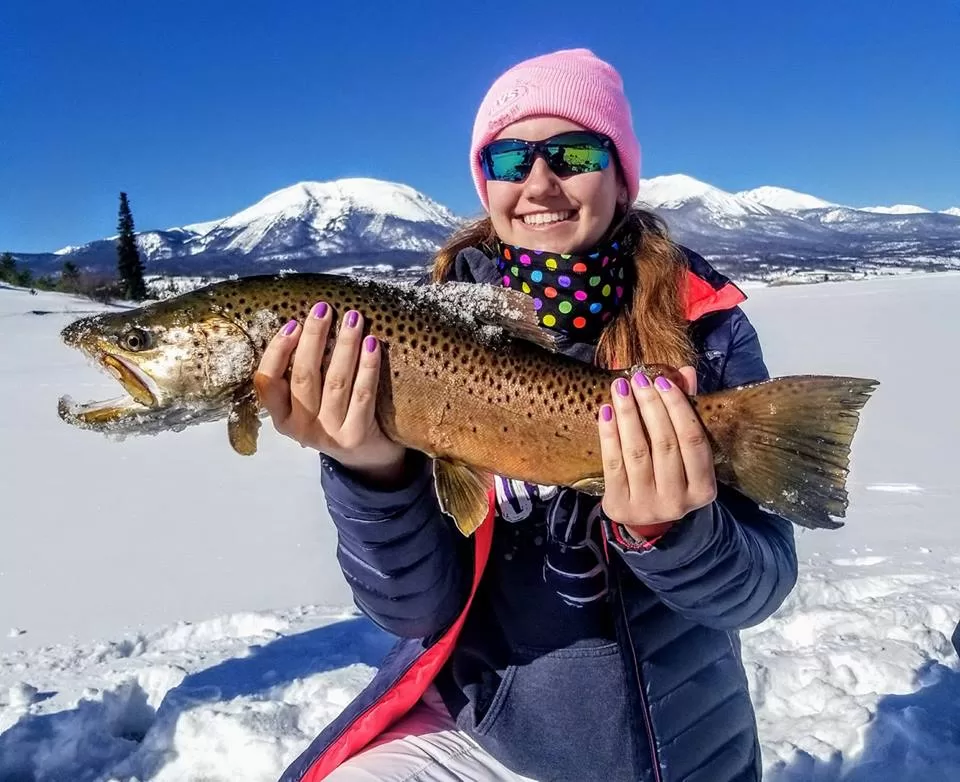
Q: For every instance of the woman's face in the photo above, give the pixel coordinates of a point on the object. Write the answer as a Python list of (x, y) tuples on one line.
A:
[(546, 212)]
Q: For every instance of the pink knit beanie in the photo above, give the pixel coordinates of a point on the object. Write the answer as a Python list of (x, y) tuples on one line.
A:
[(574, 84)]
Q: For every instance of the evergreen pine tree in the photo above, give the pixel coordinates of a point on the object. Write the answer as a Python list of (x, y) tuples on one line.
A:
[(69, 276), (128, 256), (8, 268)]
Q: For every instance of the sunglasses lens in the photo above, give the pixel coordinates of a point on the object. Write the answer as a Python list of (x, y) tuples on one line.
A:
[(506, 162), (509, 160), (578, 156)]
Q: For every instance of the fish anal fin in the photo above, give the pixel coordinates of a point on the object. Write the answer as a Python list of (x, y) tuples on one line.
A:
[(463, 494), (593, 486), (243, 421)]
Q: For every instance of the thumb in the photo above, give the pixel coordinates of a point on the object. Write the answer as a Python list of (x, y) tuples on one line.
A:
[(689, 375)]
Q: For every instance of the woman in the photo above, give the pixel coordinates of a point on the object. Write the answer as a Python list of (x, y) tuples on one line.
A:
[(568, 639)]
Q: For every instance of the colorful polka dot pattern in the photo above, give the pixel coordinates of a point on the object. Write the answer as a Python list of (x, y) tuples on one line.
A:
[(574, 293)]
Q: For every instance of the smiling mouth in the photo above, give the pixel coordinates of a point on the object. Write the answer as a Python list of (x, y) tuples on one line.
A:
[(547, 218)]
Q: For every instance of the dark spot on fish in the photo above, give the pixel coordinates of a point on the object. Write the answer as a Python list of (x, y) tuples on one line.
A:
[(474, 430), (433, 341), (247, 311), (402, 339), (505, 430), (413, 343), (242, 300), (388, 331)]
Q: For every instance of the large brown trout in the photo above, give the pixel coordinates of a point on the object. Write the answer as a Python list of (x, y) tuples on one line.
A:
[(468, 378)]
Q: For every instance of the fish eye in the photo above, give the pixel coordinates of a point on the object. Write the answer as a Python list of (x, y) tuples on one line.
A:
[(135, 339)]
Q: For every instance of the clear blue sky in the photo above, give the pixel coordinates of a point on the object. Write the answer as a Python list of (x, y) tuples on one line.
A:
[(198, 109)]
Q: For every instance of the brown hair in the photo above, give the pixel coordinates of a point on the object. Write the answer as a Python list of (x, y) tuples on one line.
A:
[(651, 327)]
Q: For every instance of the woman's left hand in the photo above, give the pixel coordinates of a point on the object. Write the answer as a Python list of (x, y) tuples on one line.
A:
[(657, 460)]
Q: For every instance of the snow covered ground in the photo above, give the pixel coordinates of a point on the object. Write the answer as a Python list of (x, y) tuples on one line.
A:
[(176, 612)]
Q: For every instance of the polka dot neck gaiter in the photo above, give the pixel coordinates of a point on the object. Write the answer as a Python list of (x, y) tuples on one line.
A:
[(574, 293)]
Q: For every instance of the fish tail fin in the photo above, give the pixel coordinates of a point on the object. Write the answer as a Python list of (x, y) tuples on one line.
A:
[(785, 443)]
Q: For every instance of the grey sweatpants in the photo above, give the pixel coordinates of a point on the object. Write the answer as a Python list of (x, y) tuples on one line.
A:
[(424, 746)]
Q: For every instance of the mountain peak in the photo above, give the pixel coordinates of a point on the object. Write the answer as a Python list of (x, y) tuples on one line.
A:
[(784, 199), (896, 209), (325, 201), (673, 190)]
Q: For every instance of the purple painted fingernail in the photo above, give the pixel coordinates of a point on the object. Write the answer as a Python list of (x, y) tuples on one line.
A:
[(641, 380), (606, 412), (319, 309), (352, 318), (289, 328), (370, 343), (663, 384), (622, 388)]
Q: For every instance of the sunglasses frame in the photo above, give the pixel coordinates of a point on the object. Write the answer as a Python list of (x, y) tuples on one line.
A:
[(537, 149)]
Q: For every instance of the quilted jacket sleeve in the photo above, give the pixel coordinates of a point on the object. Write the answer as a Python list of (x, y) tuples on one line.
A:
[(730, 564), (408, 568)]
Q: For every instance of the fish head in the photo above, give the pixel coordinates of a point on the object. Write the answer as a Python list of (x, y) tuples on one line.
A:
[(177, 365)]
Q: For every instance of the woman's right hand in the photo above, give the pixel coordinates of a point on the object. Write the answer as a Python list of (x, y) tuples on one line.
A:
[(335, 414)]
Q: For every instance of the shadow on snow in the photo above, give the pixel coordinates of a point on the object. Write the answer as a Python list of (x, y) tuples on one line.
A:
[(82, 743)]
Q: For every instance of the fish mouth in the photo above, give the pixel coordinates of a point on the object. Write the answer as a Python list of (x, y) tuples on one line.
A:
[(141, 395)]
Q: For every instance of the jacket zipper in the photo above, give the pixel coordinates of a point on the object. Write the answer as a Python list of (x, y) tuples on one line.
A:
[(654, 756), (647, 719)]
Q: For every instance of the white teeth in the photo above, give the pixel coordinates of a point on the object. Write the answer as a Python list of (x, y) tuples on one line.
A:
[(542, 218)]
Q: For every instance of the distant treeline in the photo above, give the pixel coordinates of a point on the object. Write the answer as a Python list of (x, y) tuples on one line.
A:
[(97, 286)]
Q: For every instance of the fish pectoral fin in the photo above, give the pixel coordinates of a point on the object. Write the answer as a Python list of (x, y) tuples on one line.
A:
[(593, 486), (462, 492), (243, 422)]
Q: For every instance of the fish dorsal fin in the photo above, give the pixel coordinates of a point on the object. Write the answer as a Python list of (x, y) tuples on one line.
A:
[(463, 494), (243, 422), (491, 305)]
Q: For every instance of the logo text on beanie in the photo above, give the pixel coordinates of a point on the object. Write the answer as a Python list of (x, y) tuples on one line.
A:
[(508, 98)]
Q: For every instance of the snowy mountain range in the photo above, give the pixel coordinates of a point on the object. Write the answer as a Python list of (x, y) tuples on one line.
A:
[(350, 223), (306, 225)]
